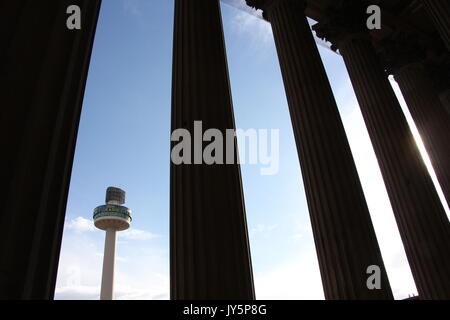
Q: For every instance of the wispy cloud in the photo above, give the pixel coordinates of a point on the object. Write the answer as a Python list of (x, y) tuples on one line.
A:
[(83, 292), (249, 22), (263, 229), (256, 29), (242, 5), (137, 234), (297, 279), (77, 292), (80, 224), (297, 236), (302, 229), (132, 7), (143, 276), (137, 10)]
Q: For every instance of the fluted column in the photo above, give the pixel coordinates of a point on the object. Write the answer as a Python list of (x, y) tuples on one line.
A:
[(420, 217), (210, 256), (430, 117), (439, 12), (344, 236), (444, 97), (43, 69)]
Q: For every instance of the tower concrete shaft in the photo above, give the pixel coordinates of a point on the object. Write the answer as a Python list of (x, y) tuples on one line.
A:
[(109, 258)]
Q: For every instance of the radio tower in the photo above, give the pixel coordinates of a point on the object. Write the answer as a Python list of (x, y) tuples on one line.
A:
[(111, 217)]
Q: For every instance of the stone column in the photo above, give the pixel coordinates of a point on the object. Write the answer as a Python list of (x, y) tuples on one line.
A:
[(344, 236), (444, 97), (439, 12), (430, 117), (43, 74), (421, 219), (210, 255), (420, 79)]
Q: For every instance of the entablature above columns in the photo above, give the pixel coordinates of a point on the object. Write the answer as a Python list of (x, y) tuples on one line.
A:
[(343, 21)]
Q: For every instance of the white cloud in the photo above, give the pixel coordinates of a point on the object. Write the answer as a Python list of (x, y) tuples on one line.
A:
[(297, 236), (258, 30), (136, 234), (80, 224), (141, 274), (242, 5), (249, 22), (77, 292), (120, 293), (262, 228), (297, 279), (138, 10), (302, 227), (132, 7)]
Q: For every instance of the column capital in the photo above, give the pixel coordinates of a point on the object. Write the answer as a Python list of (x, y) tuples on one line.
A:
[(343, 22), (401, 50), (267, 5), (404, 49)]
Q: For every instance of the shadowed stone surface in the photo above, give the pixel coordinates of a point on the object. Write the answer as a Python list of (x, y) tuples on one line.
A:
[(210, 255), (343, 233), (42, 78), (421, 219)]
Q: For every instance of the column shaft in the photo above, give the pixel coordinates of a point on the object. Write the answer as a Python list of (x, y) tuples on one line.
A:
[(210, 255), (345, 239), (42, 78), (430, 117), (109, 257), (439, 12), (421, 219)]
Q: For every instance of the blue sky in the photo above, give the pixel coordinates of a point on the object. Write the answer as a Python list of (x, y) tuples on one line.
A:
[(124, 139)]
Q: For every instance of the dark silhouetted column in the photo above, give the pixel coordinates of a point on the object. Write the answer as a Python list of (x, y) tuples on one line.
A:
[(344, 236), (420, 217), (42, 78), (439, 11), (405, 55), (210, 256), (430, 117)]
